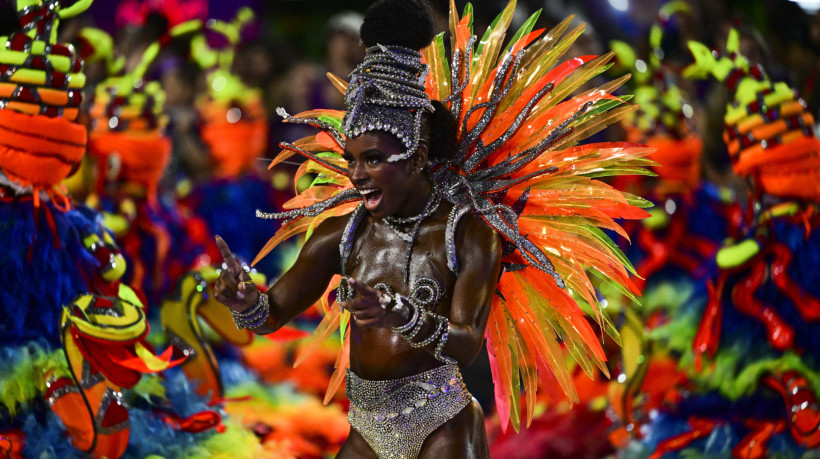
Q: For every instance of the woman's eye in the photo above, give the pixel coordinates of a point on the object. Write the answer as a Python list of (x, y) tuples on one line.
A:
[(372, 161)]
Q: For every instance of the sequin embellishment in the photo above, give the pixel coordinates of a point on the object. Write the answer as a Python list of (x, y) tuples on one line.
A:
[(395, 416)]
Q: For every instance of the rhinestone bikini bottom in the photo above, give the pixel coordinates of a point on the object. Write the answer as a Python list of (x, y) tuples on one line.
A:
[(395, 416)]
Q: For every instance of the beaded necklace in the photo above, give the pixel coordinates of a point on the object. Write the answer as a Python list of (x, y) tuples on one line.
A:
[(409, 237)]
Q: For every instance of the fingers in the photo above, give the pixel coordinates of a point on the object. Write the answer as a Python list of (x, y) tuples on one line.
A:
[(365, 313), (238, 275), (229, 281), (225, 296), (244, 276), (246, 288), (362, 288), (241, 298), (367, 306), (365, 317), (233, 265), (218, 296), (361, 303), (226, 289)]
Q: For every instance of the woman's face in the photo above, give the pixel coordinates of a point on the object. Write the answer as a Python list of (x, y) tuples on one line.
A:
[(388, 188)]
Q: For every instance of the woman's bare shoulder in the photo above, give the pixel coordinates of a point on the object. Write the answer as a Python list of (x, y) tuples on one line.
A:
[(475, 237)]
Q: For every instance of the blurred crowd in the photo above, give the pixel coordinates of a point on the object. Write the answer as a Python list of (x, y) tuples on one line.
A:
[(293, 44)]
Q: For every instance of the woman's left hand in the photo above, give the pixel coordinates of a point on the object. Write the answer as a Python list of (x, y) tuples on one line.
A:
[(371, 308)]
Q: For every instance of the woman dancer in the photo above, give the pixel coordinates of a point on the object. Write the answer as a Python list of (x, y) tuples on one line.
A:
[(395, 193), (444, 193)]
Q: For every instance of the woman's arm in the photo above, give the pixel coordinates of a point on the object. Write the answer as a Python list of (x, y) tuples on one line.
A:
[(478, 249), (296, 290)]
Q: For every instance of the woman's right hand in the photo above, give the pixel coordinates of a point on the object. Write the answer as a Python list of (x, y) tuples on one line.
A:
[(234, 287)]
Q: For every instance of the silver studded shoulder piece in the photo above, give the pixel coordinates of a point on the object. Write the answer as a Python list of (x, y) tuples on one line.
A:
[(349, 236), (456, 213), (343, 291)]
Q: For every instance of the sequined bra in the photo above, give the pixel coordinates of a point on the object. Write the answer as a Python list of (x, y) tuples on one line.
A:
[(425, 291)]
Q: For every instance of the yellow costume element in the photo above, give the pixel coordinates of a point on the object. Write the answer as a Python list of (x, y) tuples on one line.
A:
[(181, 313)]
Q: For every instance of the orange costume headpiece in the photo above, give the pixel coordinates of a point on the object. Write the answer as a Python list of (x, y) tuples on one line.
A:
[(664, 119), (235, 123), (40, 83), (127, 120), (768, 129)]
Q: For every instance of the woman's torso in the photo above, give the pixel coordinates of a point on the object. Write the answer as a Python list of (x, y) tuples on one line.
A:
[(378, 256)]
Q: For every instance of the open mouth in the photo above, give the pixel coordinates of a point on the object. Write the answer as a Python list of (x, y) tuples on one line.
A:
[(372, 198)]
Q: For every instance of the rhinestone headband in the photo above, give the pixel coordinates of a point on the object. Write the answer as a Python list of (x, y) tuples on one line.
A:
[(386, 93)]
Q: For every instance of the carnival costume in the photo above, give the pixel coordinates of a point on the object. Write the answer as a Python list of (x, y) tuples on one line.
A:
[(74, 336), (127, 140), (673, 249), (751, 349), (234, 128), (517, 167)]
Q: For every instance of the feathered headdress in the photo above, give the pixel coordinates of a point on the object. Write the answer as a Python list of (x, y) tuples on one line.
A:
[(518, 167)]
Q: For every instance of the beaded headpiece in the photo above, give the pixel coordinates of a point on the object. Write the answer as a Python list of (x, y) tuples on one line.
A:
[(386, 93)]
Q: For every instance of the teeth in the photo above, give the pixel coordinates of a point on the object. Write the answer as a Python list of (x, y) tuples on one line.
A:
[(367, 192)]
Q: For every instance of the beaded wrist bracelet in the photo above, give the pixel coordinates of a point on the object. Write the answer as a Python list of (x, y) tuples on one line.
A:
[(419, 325), (441, 342), (413, 327), (343, 291), (255, 316)]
